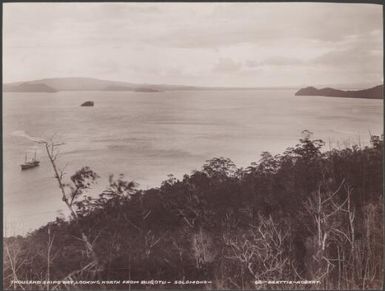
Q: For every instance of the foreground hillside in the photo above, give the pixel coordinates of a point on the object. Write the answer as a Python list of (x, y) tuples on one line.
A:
[(306, 214)]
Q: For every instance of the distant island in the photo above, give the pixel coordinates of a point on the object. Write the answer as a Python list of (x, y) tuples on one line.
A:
[(146, 90), (371, 93), (92, 84), (53, 85), (88, 84), (30, 87), (125, 88)]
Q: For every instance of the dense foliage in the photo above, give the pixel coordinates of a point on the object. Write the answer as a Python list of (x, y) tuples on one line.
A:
[(305, 214)]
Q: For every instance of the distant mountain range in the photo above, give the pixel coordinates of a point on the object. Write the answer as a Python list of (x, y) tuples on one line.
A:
[(125, 88), (371, 93), (29, 87), (53, 85), (92, 84), (86, 84)]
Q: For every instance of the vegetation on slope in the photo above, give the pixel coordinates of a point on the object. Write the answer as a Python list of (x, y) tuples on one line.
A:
[(305, 214)]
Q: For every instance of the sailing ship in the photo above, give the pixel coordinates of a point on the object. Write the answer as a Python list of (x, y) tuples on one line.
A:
[(30, 164)]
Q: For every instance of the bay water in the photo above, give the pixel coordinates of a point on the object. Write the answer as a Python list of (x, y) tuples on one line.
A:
[(147, 136)]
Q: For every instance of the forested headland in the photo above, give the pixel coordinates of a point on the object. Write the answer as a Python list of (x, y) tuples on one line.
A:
[(305, 214)]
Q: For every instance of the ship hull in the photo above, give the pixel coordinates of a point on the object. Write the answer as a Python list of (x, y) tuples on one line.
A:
[(29, 165)]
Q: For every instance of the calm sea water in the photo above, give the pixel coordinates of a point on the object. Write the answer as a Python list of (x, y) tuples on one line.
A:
[(147, 136)]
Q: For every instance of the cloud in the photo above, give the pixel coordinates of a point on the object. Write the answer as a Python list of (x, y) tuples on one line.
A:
[(275, 61), (231, 24), (225, 65), (357, 53), (238, 44)]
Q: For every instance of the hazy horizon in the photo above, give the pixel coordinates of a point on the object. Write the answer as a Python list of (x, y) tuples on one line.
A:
[(196, 44), (357, 86)]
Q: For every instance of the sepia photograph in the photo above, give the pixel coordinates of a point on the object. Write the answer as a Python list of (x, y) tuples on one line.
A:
[(201, 145)]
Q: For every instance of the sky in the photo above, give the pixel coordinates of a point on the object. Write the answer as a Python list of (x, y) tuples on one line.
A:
[(201, 44)]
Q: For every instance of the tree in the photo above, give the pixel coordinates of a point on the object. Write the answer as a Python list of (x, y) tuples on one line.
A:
[(261, 250), (333, 226), (81, 180), (220, 168)]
